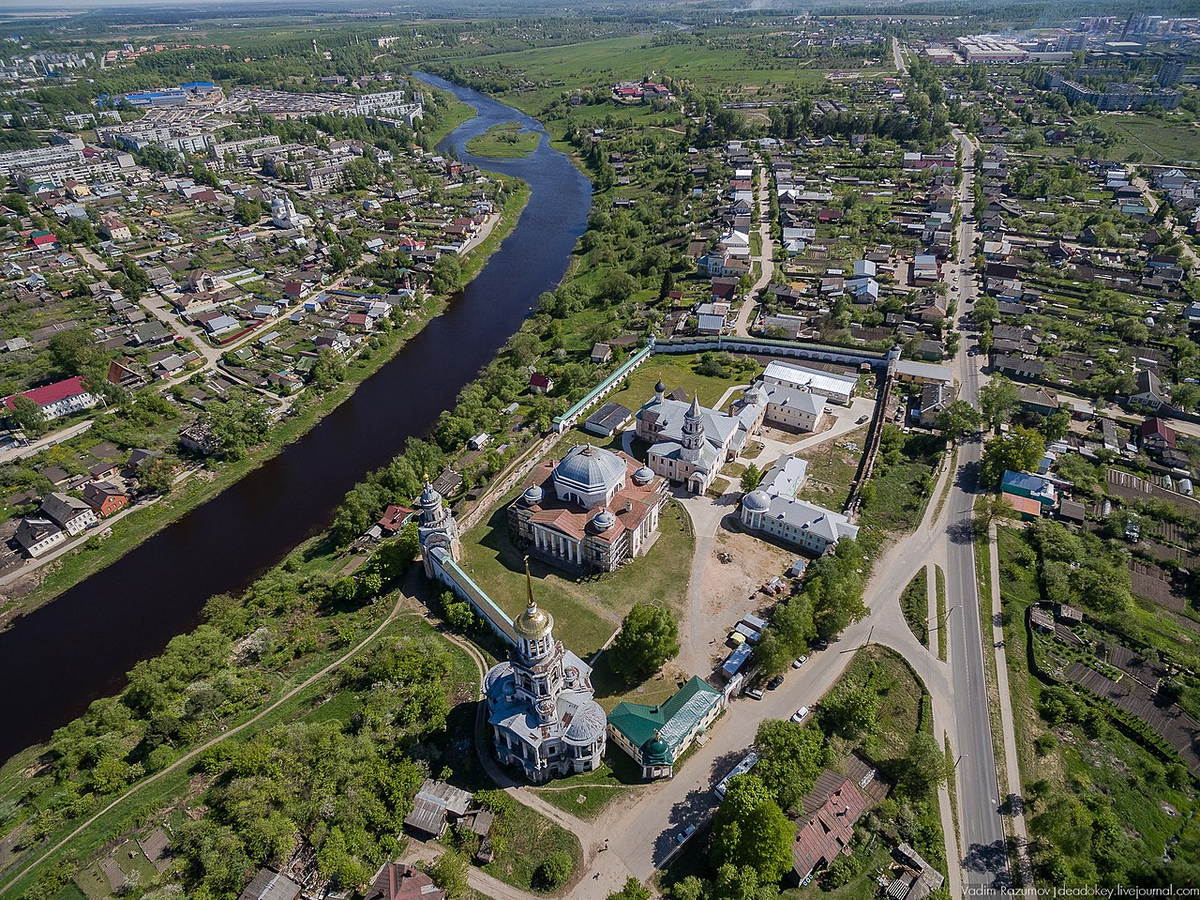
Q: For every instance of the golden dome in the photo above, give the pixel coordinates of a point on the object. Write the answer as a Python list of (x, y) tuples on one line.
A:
[(534, 623)]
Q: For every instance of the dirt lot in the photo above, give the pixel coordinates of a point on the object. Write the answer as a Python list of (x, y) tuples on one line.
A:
[(732, 590)]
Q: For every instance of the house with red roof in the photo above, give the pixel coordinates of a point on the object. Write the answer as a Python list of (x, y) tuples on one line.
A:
[(540, 383), (394, 518), (59, 399), (43, 240), (831, 809)]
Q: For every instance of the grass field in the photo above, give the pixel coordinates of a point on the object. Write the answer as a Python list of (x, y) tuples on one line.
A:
[(599, 64), (676, 372), (589, 794), (530, 839), (831, 467), (504, 141), (1172, 139), (1108, 764), (131, 814), (589, 609)]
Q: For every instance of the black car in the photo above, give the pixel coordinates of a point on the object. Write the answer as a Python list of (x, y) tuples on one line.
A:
[(774, 682), (822, 644)]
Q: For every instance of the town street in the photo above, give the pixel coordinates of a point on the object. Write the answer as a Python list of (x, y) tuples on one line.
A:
[(766, 256)]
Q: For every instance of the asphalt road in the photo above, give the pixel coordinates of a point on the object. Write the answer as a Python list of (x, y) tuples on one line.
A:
[(985, 858)]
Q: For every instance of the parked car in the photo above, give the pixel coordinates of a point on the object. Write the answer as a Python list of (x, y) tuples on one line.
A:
[(755, 693), (681, 837), (800, 715), (799, 661), (861, 420), (774, 682), (822, 644)]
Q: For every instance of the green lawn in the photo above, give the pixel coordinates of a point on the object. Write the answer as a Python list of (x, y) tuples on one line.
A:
[(831, 467), (589, 794), (599, 64), (588, 609), (530, 839), (940, 587), (1172, 139), (504, 141), (676, 372)]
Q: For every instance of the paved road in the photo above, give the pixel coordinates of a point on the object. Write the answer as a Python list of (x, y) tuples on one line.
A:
[(985, 859), (898, 57)]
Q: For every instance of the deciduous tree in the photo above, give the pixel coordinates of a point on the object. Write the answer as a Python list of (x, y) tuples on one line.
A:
[(647, 639)]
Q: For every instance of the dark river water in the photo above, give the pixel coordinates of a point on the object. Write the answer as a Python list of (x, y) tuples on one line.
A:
[(58, 659)]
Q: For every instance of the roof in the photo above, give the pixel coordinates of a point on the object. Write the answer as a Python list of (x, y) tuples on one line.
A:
[(433, 802), (825, 832), (270, 885), (608, 418), (1023, 505), (396, 881), (925, 371), (51, 393), (673, 721), (814, 379)]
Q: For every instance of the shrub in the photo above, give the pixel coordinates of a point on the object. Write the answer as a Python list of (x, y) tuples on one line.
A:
[(554, 871)]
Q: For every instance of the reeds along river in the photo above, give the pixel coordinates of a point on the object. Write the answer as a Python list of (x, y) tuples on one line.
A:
[(58, 659)]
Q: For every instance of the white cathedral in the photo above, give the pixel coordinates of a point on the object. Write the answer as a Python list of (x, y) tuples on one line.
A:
[(545, 720)]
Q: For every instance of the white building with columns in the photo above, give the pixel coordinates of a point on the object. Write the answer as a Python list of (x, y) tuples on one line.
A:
[(590, 511)]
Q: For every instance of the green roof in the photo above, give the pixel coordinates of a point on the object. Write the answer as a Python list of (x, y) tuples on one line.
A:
[(673, 720)]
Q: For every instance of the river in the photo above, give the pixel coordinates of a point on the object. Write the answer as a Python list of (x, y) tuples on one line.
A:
[(61, 657)]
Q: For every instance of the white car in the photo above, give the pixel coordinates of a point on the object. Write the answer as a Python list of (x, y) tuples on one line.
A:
[(799, 661), (800, 715)]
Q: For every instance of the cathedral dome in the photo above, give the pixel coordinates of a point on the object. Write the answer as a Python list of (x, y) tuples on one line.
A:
[(587, 725), (494, 681), (533, 624), (533, 495), (590, 471), (430, 498), (655, 752), (756, 501), (643, 476), (604, 520)]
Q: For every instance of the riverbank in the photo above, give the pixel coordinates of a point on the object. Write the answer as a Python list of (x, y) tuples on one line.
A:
[(297, 604), (95, 555)]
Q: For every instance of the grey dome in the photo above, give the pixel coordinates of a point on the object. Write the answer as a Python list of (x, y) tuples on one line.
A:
[(643, 476), (660, 388), (604, 520), (591, 470), (756, 501), (430, 498), (587, 725), (533, 495)]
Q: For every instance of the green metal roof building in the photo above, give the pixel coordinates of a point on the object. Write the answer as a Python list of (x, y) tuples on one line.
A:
[(657, 736)]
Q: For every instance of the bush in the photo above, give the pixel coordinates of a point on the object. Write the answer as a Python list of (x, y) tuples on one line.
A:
[(554, 871)]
